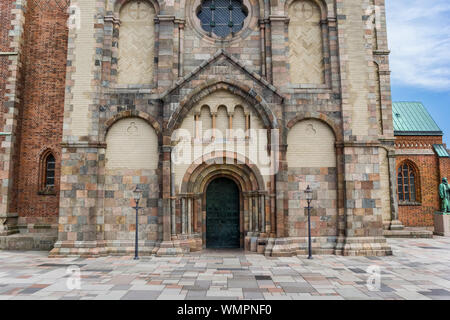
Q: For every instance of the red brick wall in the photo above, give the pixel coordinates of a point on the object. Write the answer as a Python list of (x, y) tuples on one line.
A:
[(42, 112), (429, 179)]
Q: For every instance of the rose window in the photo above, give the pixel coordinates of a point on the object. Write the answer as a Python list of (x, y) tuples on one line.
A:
[(222, 17)]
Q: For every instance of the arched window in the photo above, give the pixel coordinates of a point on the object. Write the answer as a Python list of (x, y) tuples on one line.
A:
[(407, 179), (47, 175), (50, 171)]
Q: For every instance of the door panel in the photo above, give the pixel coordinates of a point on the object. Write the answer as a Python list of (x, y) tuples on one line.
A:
[(222, 214)]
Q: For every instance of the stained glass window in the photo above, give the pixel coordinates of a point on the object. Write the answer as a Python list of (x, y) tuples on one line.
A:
[(406, 183), (222, 17)]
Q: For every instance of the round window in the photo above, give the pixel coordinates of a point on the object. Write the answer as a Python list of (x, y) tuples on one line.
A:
[(222, 17)]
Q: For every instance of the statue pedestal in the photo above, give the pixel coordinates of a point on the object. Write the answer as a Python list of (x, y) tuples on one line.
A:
[(442, 224)]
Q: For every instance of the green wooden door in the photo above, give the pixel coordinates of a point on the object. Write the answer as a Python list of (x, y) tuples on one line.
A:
[(222, 214)]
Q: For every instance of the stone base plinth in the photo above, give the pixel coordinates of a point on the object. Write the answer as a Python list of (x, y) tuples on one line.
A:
[(170, 248), (355, 246), (409, 232), (442, 224), (8, 224), (28, 241), (85, 249), (292, 246), (363, 246), (396, 225)]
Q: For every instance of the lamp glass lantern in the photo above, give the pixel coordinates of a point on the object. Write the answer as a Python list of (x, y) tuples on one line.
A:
[(137, 193), (309, 193)]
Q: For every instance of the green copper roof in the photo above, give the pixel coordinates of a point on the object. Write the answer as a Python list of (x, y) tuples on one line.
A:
[(412, 118), (441, 151)]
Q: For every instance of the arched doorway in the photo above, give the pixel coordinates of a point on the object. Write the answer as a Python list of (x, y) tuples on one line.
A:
[(222, 214)]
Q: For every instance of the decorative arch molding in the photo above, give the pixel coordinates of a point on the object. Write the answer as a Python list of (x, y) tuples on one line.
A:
[(222, 164), (320, 117), (412, 164), (116, 5), (320, 3), (248, 94), (134, 114), (42, 174)]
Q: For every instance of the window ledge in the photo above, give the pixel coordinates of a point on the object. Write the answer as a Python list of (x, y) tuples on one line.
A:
[(410, 204), (47, 192)]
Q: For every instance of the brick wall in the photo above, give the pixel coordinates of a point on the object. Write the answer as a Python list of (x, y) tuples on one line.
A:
[(427, 162), (42, 108)]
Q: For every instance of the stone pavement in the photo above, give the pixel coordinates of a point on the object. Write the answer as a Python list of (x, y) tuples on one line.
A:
[(419, 269)]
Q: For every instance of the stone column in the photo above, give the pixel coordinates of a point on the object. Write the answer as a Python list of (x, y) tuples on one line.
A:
[(262, 209), (262, 31), (396, 224), (167, 72), (250, 213), (255, 212), (189, 215), (279, 56), (11, 60), (246, 213), (281, 200), (183, 215)]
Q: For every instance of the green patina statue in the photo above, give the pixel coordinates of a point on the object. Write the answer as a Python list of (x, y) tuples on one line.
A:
[(444, 193)]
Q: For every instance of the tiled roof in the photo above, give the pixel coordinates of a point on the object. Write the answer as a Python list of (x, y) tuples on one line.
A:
[(441, 151), (412, 118)]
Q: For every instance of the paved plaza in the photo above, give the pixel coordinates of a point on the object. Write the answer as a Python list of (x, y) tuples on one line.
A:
[(419, 269)]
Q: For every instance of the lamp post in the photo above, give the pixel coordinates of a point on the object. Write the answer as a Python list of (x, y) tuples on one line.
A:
[(137, 197), (309, 196)]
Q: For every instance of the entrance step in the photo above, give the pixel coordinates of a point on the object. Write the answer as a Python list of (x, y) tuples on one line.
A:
[(409, 232)]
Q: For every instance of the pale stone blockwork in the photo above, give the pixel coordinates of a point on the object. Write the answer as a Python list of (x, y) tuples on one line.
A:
[(136, 43), (131, 144), (83, 51), (311, 144), (305, 43)]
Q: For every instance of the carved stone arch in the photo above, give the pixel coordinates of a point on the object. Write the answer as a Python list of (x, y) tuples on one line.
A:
[(118, 4), (134, 114), (230, 163), (320, 3), (255, 101), (320, 117)]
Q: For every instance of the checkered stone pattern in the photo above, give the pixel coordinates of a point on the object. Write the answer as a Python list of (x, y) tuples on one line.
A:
[(324, 214), (418, 271), (120, 217)]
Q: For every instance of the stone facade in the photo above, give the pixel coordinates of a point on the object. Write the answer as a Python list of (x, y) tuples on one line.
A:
[(316, 82)]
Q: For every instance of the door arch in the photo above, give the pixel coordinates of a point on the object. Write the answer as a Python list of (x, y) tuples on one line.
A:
[(222, 214)]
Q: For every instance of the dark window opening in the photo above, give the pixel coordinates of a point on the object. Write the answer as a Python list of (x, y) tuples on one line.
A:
[(406, 180), (222, 17), (50, 171)]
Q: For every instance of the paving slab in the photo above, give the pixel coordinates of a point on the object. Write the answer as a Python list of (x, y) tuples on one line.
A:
[(419, 269)]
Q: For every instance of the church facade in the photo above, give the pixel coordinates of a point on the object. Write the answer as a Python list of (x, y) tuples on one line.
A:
[(222, 111)]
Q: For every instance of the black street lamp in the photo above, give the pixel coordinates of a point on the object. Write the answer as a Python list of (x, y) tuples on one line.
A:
[(309, 196), (137, 193)]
